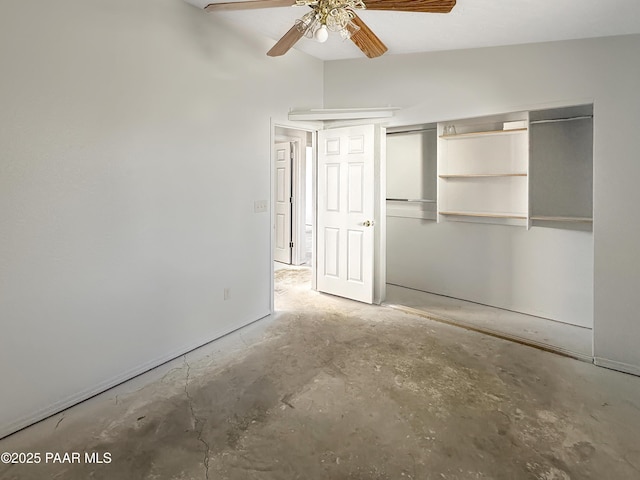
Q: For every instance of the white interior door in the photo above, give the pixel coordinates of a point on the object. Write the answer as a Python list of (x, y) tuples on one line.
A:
[(345, 221), (282, 202)]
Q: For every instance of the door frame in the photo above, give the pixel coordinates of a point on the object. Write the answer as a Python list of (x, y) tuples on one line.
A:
[(307, 127), (380, 248)]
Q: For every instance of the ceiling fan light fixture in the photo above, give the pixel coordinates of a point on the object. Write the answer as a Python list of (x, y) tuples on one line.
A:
[(329, 15), (349, 30), (307, 24), (337, 19), (321, 35)]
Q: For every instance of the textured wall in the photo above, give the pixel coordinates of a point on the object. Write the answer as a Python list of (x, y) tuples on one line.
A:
[(448, 85), (134, 139)]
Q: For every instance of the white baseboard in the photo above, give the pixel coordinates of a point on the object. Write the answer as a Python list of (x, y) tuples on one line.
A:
[(615, 365)]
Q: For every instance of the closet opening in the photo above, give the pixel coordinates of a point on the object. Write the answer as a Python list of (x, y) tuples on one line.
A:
[(490, 225)]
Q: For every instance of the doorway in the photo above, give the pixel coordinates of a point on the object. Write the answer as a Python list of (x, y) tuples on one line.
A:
[(334, 180), (293, 196), (292, 153)]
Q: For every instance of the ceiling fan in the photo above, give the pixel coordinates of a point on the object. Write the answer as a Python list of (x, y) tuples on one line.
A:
[(336, 16)]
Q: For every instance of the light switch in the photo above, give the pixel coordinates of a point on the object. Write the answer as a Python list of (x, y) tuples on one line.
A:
[(260, 206)]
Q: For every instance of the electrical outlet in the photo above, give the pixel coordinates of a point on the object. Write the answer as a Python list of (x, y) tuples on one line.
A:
[(260, 206), (227, 293)]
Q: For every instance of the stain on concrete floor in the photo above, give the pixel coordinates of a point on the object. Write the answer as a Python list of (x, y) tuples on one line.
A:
[(342, 390)]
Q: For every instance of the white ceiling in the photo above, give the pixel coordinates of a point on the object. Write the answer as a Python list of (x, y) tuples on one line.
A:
[(471, 24)]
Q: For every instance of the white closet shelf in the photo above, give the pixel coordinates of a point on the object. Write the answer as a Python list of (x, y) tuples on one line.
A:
[(517, 216), (483, 175), (562, 219), (484, 133)]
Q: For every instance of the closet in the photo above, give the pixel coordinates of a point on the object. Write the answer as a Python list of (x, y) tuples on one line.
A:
[(496, 210)]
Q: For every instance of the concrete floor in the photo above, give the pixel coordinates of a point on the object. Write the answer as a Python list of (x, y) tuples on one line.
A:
[(570, 340), (334, 389)]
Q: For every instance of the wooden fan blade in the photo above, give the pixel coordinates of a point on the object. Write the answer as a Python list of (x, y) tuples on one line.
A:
[(366, 40), (425, 6), (252, 4), (286, 42)]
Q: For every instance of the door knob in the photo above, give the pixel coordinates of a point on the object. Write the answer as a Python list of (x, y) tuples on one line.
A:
[(367, 223)]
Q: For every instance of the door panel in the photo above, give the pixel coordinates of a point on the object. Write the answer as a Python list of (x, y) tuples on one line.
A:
[(346, 167), (356, 188), (356, 144), (355, 271), (332, 250), (282, 202), (332, 187), (281, 241)]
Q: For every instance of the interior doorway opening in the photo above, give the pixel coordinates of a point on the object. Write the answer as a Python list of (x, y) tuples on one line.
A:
[(328, 208), (293, 208), (293, 196)]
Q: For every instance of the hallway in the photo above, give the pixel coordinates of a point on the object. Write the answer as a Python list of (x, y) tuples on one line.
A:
[(334, 389)]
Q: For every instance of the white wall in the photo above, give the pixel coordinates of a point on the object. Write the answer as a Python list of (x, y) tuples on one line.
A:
[(448, 85), (134, 139), (544, 271)]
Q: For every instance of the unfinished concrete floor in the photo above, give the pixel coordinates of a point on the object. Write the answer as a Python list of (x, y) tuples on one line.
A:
[(335, 389)]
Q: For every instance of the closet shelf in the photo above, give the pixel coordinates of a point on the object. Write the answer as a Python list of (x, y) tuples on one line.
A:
[(483, 175), (485, 133), (562, 219), (486, 215)]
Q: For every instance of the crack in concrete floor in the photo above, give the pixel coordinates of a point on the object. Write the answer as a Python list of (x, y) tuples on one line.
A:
[(342, 390), (198, 424)]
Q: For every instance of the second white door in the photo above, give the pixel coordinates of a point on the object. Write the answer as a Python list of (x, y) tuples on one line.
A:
[(282, 202)]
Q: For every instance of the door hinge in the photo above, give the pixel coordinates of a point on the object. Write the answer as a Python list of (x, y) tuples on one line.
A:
[(290, 199), (290, 244)]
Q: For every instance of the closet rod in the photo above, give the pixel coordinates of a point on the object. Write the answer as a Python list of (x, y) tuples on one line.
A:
[(413, 131), (554, 120), (410, 200)]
